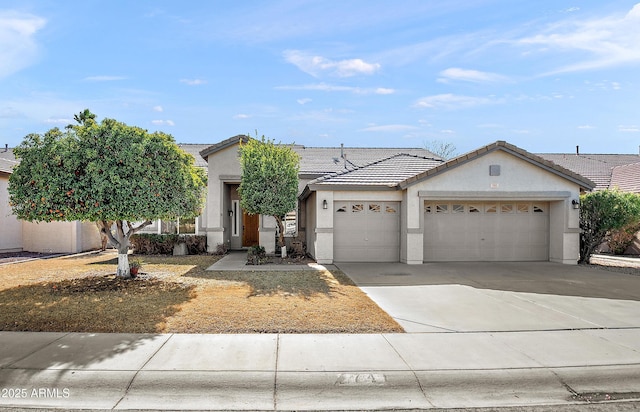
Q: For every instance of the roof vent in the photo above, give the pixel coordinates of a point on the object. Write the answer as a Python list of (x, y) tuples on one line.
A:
[(577, 150)]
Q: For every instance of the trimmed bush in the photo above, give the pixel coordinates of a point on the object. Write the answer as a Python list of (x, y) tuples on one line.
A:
[(153, 244)]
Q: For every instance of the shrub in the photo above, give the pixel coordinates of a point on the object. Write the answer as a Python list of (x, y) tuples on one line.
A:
[(153, 244), (603, 213), (619, 240), (256, 255), (222, 249)]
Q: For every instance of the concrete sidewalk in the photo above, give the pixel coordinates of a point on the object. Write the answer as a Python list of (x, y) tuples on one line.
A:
[(316, 372)]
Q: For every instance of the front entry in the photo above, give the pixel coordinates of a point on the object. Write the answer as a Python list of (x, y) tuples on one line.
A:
[(250, 225)]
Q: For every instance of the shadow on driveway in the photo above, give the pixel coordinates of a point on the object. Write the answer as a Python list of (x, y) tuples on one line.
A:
[(527, 277)]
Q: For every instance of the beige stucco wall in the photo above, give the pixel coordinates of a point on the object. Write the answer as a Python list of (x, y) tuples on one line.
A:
[(10, 226), (310, 224), (518, 180), (60, 237), (223, 166)]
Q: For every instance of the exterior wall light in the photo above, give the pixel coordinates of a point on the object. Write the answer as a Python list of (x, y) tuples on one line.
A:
[(325, 205), (230, 213), (575, 203)]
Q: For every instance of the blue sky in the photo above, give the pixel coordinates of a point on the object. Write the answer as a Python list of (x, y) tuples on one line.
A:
[(543, 75)]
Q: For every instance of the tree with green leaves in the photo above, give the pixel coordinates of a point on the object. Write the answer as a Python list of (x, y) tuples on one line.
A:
[(269, 184), (121, 177), (602, 213)]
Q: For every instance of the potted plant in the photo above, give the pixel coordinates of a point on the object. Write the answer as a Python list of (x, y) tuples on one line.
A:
[(134, 266)]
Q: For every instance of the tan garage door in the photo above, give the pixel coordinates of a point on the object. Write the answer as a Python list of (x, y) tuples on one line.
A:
[(486, 231), (366, 231)]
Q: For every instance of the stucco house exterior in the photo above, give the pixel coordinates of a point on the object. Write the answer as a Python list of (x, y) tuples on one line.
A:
[(497, 203)]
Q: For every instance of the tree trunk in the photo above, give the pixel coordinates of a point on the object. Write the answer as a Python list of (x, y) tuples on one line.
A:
[(281, 230), (120, 239)]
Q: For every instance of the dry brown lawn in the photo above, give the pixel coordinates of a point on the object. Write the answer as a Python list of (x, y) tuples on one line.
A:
[(178, 295)]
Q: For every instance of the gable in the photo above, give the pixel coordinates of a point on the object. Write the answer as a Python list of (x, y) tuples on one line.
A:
[(510, 174), (518, 170)]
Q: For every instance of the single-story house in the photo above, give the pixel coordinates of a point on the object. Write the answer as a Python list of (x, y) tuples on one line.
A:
[(497, 203)]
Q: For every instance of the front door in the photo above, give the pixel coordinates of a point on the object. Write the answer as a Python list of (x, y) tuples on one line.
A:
[(250, 229)]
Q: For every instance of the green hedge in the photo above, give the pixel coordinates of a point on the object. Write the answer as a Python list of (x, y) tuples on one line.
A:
[(152, 244)]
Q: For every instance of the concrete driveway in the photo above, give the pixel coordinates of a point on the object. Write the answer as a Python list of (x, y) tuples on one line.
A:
[(505, 296)]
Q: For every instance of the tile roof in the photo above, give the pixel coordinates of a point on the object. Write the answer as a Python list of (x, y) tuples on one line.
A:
[(388, 172), (6, 165), (626, 178), (194, 150), (595, 167), (7, 160), (324, 160)]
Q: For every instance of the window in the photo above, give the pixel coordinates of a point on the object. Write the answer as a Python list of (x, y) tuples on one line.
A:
[(538, 209), (169, 227), (374, 208), (342, 209), (390, 209), (506, 208), (491, 208), (290, 223), (474, 209), (187, 226), (427, 208), (523, 208), (457, 208), (235, 219), (357, 208), (442, 208)]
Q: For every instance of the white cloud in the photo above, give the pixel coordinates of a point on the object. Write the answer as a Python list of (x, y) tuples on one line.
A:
[(317, 66), (304, 101), (63, 121), (193, 82), (452, 101), (324, 87), (629, 129), (384, 90), (241, 116), (163, 122), (18, 48), (608, 41), (389, 128), (466, 75), (158, 109), (103, 78)]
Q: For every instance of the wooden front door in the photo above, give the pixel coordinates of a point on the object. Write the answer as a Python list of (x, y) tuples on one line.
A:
[(250, 229)]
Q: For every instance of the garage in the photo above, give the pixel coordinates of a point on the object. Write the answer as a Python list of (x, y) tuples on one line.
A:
[(366, 231), (486, 231)]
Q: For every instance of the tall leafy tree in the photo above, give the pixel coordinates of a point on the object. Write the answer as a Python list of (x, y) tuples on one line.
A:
[(121, 177), (603, 212), (269, 184)]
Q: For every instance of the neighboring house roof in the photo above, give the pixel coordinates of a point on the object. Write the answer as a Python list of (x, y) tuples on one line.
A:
[(596, 167), (385, 173), (509, 148), (7, 160), (626, 178)]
